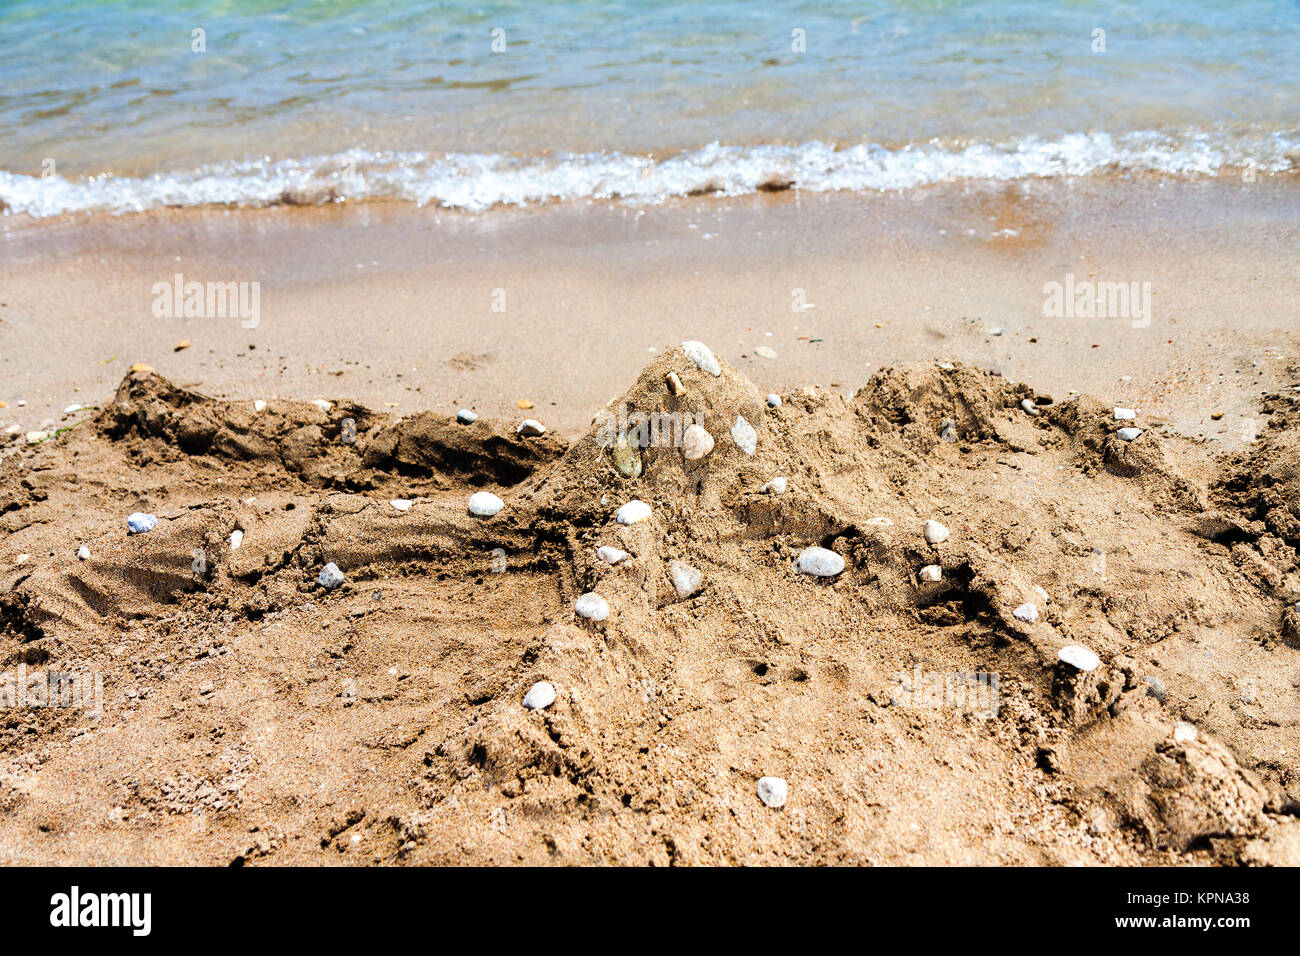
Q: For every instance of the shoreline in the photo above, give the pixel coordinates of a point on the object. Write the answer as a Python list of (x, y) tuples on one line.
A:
[(385, 303)]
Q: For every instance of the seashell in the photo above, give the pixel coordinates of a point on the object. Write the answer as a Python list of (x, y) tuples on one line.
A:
[(627, 459), (935, 533), (632, 512), (484, 504), (541, 695), (696, 442), (773, 791), (140, 523), (592, 606), (699, 353), (819, 562), (686, 579), (1028, 405), (743, 434)]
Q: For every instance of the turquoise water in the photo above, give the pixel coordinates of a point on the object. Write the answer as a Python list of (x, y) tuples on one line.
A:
[(639, 99)]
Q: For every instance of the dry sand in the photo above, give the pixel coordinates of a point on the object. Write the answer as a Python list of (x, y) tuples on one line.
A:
[(250, 717)]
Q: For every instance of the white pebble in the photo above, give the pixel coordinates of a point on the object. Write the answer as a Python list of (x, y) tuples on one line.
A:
[(776, 486), (72, 409), (879, 522), (686, 579), (1128, 434), (1028, 405), (35, 437), (330, 577), (539, 696), (259, 405), (762, 351), (821, 562), (140, 523), (1184, 733), (611, 555), (699, 353), (466, 417), (774, 400), (22, 559), (401, 504), (1080, 658), (935, 533), (236, 539), (323, 405), (996, 330), (632, 512), (1124, 414), (83, 553), (696, 442), (931, 573), (485, 504), (1026, 613), (530, 428), (773, 791), (592, 606), (743, 434)]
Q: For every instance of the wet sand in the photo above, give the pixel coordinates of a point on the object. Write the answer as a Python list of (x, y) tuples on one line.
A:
[(397, 307)]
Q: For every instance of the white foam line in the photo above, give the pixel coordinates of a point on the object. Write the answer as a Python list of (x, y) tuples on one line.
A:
[(480, 181)]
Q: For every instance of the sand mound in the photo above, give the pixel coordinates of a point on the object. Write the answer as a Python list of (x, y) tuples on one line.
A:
[(915, 720)]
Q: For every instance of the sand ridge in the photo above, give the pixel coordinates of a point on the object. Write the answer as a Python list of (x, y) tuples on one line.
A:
[(250, 716)]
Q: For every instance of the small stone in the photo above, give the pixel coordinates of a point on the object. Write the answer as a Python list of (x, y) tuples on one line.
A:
[(530, 428), (484, 504), (774, 400), (699, 353), (696, 442), (22, 558), (1184, 733), (592, 606), (83, 553), (323, 405), (72, 409), (140, 523), (776, 486), (820, 562), (348, 431), (762, 351), (401, 504), (675, 384), (611, 555), (1124, 414), (466, 417), (1027, 613), (1128, 434), (137, 367), (1028, 405), (34, 438), (773, 791), (627, 459), (632, 512), (686, 579), (1216, 416), (931, 573), (743, 434), (1155, 686), (540, 696), (236, 539), (207, 687), (524, 404), (879, 522), (1080, 658), (935, 533), (181, 346), (330, 577), (996, 330), (259, 405), (948, 430)]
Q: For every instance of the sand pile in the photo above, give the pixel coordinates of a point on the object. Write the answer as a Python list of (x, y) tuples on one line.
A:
[(251, 715)]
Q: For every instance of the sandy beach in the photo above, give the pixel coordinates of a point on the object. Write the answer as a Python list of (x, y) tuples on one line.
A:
[(251, 716)]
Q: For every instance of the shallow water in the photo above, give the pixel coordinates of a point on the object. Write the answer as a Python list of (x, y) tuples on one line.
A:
[(475, 105)]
